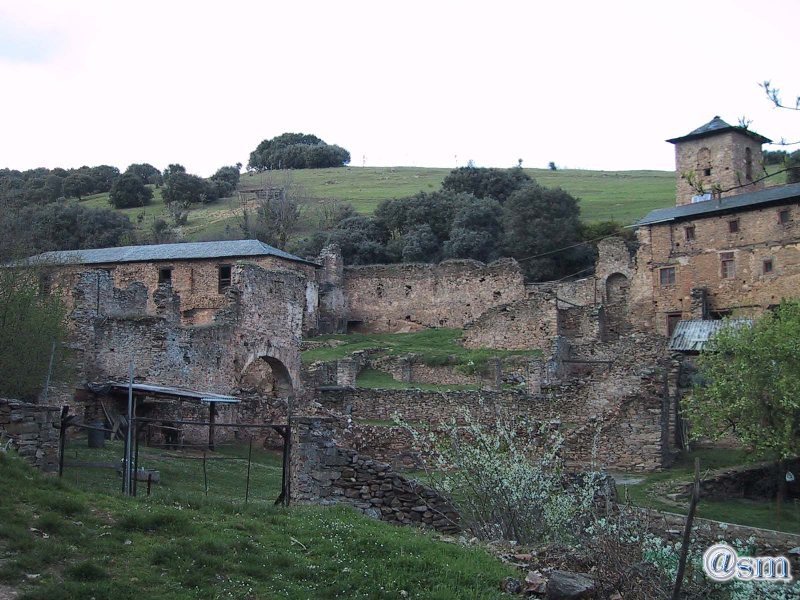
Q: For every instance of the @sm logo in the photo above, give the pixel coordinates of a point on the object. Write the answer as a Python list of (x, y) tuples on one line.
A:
[(722, 563)]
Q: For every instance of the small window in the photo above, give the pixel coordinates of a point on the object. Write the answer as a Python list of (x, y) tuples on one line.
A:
[(733, 226), (718, 315), (768, 266), (667, 276), (689, 233), (728, 265), (165, 275), (783, 216), (224, 277), (707, 172)]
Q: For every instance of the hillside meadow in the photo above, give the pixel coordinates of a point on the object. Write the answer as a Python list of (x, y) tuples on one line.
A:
[(622, 196)]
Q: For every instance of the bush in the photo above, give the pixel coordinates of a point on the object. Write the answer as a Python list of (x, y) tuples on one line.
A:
[(507, 480)]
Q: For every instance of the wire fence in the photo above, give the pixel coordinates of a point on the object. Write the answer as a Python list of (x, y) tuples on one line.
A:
[(238, 471)]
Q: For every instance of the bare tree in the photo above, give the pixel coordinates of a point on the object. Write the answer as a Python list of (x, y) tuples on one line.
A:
[(275, 212)]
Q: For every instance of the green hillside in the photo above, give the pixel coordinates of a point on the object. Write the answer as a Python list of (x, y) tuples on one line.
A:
[(604, 195)]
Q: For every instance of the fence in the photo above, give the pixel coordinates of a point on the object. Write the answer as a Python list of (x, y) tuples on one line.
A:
[(241, 470)]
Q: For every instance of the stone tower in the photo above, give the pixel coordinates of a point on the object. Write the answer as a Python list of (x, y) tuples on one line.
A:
[(716, 160)]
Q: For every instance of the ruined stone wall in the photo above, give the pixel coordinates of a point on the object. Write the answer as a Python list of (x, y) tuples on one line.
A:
[(30, 429), (726, 154), (194, 284), (615, 416), (698, 264), (529, 323), (251, 346), (324, 472), (332, 301), (402, 297)]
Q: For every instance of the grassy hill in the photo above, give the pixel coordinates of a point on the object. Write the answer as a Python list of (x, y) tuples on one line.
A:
[(58, 542), (605, 195)]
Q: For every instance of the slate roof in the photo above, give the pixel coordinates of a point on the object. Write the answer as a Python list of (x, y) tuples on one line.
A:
[(692, 336), (778, 193), (161, 252), (715, 126)]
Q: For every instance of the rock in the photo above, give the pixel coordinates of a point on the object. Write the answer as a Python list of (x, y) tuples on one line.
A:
[(536, 583), (564, 585), (511, 586)]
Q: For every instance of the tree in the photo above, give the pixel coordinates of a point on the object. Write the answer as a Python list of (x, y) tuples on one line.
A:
[(103, 177), (539, 223), (185, 189), (32, 323), (146, 172), (225, 179), (297, 151), (476, 231), (77, 185), (275, 215), (750, 384), (129, 191), (486, 183)]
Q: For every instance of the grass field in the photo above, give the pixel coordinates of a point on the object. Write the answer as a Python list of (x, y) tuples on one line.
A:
[(605, 195), (433, 346), (59, 542), (651, 493)]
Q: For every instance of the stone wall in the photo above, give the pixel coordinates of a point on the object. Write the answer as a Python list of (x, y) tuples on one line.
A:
[(529, 323), (406, 297), (324, 472), (30, 429), (698, 264), (124, 289), (726, 160), (614, 417)]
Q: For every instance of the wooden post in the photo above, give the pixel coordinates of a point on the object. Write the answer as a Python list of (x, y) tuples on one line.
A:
[(212, 413), (249, 458), (62, 440), (205, 474), (687, 531)]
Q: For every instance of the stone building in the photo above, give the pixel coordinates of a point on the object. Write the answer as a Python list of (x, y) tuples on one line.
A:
[(222, 317), (732, 252), (717, 158)]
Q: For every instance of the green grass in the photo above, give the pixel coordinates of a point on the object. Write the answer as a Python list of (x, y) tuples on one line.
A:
[(434, 347), (372, 378), (651, 493), (621, 195), (103, 546), (181, 471)]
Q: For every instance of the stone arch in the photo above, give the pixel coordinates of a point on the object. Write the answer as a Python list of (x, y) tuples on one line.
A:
[(284, 377)]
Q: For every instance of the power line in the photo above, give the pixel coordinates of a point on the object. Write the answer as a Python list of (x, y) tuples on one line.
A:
[(604, 237)]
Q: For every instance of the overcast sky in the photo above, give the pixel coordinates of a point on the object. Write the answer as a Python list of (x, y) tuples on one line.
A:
[(595, 84)]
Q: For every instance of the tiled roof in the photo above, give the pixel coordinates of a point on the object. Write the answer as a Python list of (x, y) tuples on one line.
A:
[(692, 336), (776, 194), (159, 252), (717, 125)]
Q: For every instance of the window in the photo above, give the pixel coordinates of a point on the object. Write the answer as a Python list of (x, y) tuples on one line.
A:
[(165, 275), (728, 270), (672, 322), (689, 233), (667, 276), (783, 216), (707, 172), (733, 226), (224, 277), (768, 266)]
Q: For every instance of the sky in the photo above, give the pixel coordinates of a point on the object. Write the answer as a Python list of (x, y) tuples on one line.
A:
[(438, 83)]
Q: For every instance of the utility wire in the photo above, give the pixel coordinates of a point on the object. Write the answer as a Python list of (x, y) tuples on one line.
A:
[(604, 237)]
